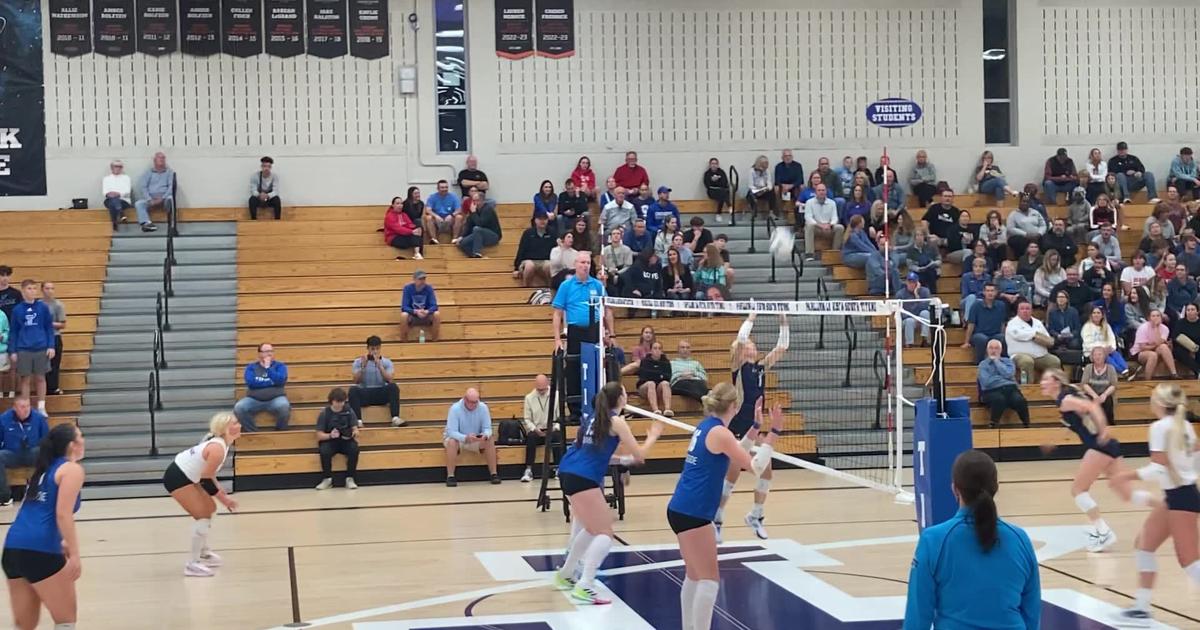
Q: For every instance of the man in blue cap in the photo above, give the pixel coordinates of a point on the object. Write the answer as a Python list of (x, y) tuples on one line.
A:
[(916, 302), (656, 215)]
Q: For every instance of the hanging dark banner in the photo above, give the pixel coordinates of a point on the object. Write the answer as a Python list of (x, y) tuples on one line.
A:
[(285, 27), (514, 28), (157, 27), (113, 24), (200, 27), (241, 22), (369, 28), (326, 28), (70, 27), (22, 101), (556, 28)]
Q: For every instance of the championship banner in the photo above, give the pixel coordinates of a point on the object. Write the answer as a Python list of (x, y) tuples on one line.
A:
[(285, 27), (556, 28), (113, 27), (241, 32), (326, 28), (22, 101), (200, 27), (369, 29), (514, 28), (743, 307), (70, 27), (157, 28)]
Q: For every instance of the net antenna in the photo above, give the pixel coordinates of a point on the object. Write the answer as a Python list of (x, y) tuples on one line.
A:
[(830, 424)]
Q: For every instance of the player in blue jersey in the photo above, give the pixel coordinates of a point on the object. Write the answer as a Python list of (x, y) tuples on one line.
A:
[(698, 492), (41, 550), (1087, 421), (749, 376), (581, 476)]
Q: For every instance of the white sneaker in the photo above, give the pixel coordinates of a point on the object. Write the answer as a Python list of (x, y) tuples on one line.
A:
[(1133, 618), (351, 484), (209, 558), (360, 423), (528, 476), (398, 422), (720, 218), (418, 256), (1155, 200), (1098, 542), (325, 484), (195, 569), (756, 525)]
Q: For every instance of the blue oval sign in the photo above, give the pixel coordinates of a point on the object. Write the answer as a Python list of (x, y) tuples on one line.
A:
[(893, 113)]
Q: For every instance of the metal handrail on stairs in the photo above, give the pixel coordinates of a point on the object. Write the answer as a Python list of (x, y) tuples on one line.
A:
[(851, 331), (168, 278), (171, 248), (162, 312), (160, 351), (734, 182), (798, 267), (153, 403)]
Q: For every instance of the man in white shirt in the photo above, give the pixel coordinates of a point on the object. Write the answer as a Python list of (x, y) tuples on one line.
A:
[(821, 216), (1137, 274), (117, 188), (264, 190), (1028, 344)]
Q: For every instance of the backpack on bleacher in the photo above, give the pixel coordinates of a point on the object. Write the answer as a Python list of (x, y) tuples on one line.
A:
[(511, 433), (541, 297)]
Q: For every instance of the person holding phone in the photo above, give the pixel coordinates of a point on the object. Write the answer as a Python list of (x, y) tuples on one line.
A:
[(469, 428)]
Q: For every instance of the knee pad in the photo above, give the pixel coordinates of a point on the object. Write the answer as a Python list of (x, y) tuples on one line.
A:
[(1141, 498), (201, 526), (1145, 561), (763, 486), (1085, 502)]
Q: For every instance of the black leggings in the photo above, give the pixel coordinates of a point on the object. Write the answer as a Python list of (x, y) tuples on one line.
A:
[(416, 243), (273, 203), (719, 195), (388, 395), (534, 441), (329, 448)]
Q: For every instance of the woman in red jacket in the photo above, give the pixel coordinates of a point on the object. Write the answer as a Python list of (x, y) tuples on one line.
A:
[(400, 231), (584, 178)]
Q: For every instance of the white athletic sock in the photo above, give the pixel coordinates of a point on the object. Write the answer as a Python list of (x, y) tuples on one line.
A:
[(687, 597), (1101, 526), (64, 626), (200, 537), (757, 510), (576, 527), (1193, 571), (579, 547), (1141, 599), (704, 601), (596, 552)]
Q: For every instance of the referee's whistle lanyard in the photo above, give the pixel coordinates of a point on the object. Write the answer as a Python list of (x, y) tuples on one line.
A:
[(24, 425)]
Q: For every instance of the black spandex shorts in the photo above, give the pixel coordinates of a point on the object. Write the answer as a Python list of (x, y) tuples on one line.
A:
[(682, 522), (1184, 499), (33, 566), (174, 478), (572, 484), (1112, 448)]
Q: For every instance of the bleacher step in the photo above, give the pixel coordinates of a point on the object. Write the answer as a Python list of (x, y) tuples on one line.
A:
[(180, 272), (175, 340), (179, 321), (183, 243), (198, 257), (183, 289)]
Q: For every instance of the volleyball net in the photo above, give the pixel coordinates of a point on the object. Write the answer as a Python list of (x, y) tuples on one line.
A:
[(832, 366)]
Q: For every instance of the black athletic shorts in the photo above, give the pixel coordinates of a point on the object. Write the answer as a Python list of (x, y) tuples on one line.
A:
[(740, 426), (174, 478), (33, 566), (682, 522), (572, 484), (1184, 499)]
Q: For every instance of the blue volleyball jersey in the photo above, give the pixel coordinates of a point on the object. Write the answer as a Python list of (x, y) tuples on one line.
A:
[(36, 525), (698, 491), (1074, 422), (589, 456)]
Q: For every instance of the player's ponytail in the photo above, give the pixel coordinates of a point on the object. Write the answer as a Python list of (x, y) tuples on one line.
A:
[(52, 447), (976, 481), (219, 424), (605, 405), (720, 398)]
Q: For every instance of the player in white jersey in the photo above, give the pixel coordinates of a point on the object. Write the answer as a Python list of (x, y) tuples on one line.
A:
[(192, 481)]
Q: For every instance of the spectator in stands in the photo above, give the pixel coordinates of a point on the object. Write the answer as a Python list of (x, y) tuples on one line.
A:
[(646, 339), (1154, 247), (1079, 214), (609, 194), (619, 213), (481, 228), (924, 258), (857, 204), (710, 272), (419, 307), (761, 186), (264, 190), (582, 232), (10, 296), (469, 428), (639, 238), (1031, 190), (924, 178), (689, 378), (337, 432), (617, 258), (631, 175), (641, 200), (1137, 274), (21, 431), (971, 287), (875, 271), (1097, 171), (1153, 344), (1131, 175), (472, 177), (441, 213), (532, 262), (572, 205), (831, 180), (677, 277), (1160, 215), (584, 178), (1080, 295), (994, 234), (1112, 188), (1024, 226), (1137, 308), (895, 197), (156, 189), (374, 382), (878, 179), (1060, 175), (1181, 291), (31, 341), (876, 220), (789, 178), (716, 186), (916, 304), (664, 236), (998, 386), (1059, 240), (861, 166), (1189, 256), (901, 230), (562, 259), (821, 217), (942, 218), (990, 179), (660, 210), (1099, 382), (1164, 271), (845, 174), (858, 246), (265, 381), (644, 279), (400, 230), (863, 179), (546, 202), (808, 191), (1062, 322), (117, 189), (1186, 334), (654, 380), (536, 420), (1096, 333), (961, 239), (1184, 175), (697, 237), (1030, 261), (986, 322), (7, 373), (1029, 344), (1049, 274), (1104, 212), (59, 311), (1109, 247)]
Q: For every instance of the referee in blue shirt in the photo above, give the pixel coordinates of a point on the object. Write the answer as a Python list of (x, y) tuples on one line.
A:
[(974, 570), (574, 299)]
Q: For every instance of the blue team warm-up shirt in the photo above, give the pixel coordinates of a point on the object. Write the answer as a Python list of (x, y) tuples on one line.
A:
[(698, 491), (954, 585), (574, 298)]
